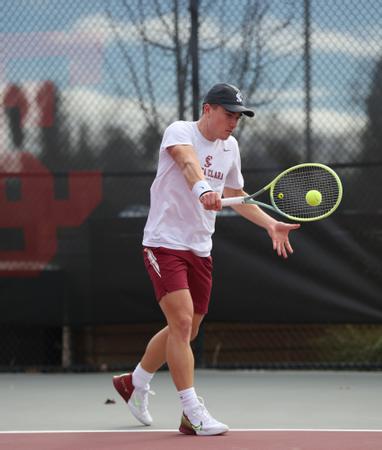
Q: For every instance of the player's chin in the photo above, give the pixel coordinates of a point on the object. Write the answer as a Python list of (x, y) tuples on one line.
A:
[(226, 134)]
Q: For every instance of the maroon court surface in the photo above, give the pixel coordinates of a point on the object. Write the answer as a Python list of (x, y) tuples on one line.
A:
[(171, 440)]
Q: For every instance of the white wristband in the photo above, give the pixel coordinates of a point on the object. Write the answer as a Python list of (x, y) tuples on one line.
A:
[(200, 187)]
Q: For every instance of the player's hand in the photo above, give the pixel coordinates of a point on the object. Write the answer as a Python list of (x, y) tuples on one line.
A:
[(279, 233), (211, 201)]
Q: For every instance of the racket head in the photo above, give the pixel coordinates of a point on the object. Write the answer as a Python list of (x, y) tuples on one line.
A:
[(288, 192)]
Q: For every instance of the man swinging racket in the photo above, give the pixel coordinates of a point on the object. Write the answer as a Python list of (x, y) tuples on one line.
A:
[(198, 163)]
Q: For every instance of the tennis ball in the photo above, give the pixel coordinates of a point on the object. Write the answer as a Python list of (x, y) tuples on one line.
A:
[(313, 197)]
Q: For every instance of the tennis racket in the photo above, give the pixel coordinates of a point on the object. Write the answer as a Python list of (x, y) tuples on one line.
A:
[(302, 193)]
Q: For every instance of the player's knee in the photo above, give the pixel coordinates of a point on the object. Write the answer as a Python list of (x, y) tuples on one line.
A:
[(182, 327)]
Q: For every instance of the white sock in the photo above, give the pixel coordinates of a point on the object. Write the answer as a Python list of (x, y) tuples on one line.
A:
[(189, 399), (142, 378)]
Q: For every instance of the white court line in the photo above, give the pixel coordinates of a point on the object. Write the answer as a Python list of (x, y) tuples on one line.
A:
[(325, 430)]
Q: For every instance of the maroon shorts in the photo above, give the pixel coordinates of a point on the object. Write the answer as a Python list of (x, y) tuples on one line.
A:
[(171, 270)]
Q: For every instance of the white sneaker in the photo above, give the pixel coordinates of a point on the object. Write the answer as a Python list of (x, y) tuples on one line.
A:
[(200, 422), (136, 399), (138, 405)]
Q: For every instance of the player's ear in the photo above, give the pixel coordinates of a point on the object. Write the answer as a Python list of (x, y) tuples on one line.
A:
[(207, 108)]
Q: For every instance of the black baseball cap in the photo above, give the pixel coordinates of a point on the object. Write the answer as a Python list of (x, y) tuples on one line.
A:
[(229, 97)]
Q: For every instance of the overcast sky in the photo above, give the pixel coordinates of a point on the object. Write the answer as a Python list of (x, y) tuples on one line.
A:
[(73, 44)]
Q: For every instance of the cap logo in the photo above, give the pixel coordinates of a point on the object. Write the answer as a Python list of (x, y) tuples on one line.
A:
[(239, 97)]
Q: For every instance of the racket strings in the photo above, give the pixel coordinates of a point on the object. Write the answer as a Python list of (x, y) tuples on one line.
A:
[(289, 193)]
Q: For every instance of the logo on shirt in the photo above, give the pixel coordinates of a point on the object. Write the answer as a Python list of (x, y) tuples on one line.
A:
[(209, 172), (208, 162)]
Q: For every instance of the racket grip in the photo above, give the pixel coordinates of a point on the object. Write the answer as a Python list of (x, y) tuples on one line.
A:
[(232, 201)]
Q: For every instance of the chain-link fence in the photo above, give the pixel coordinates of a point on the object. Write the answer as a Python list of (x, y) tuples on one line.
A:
[(88, 88)]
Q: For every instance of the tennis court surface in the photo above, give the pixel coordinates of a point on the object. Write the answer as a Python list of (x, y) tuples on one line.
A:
[(266, 410)]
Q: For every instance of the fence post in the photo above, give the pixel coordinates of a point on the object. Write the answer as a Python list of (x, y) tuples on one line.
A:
[(308, 80), (194, 47)]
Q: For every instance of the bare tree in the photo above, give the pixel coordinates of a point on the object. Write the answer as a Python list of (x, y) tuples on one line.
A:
[(149, 111), (168, 40), (234, 46), (250, 44), (372, 138)]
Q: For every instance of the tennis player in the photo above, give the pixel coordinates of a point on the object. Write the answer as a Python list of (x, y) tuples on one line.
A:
[(198, 163)]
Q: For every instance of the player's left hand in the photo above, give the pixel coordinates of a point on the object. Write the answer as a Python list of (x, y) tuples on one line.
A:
[(279, 233)]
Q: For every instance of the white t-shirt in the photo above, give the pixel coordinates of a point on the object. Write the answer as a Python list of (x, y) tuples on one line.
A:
[(176, 218)]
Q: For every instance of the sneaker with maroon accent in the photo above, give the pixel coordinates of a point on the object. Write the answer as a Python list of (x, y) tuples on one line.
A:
[(136, 399), (201, 423)]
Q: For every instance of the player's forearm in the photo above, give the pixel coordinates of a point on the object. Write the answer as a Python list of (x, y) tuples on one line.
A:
[(185, 157), (250, 212), (256, 215), (192, 172)]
